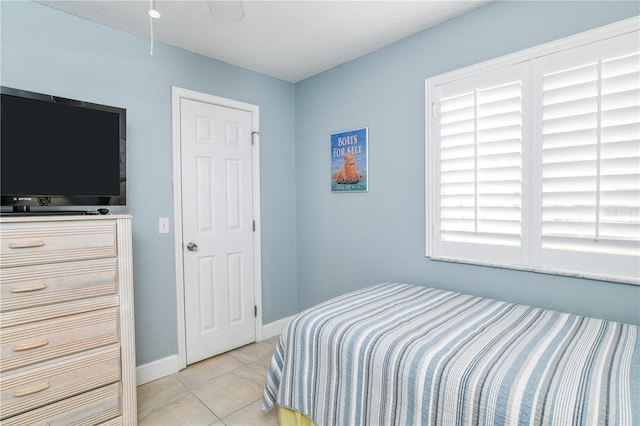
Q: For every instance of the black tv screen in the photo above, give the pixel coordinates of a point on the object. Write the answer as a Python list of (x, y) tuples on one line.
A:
[(56, 151)]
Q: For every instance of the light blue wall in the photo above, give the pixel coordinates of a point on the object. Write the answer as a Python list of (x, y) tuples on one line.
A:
[(347, 241), (44, 50)]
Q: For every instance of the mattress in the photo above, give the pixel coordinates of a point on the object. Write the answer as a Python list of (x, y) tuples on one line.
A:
[(398, 354)]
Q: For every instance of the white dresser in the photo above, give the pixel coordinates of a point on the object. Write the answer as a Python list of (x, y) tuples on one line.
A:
[(66, 321)]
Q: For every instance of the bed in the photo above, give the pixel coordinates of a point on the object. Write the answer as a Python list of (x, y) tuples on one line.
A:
[(398, 354)]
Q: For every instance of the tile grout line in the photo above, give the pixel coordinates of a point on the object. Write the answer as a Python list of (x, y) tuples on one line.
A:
[(244, 364), (196, 397), (205, 405), (240, 409)]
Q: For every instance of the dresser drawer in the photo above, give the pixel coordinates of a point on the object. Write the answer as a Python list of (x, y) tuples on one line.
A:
[(30, 286), (90, 408), (45, 340), (50, 383), (50, 242)]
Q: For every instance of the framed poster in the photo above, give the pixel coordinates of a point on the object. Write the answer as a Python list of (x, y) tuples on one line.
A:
[(350, 161)]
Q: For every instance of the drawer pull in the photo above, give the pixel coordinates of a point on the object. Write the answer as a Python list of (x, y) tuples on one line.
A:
[(28, 287), (33, 389), (26, 244), (32, 345)]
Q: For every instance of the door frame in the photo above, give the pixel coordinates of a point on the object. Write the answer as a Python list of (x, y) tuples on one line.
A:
[(177, 94)]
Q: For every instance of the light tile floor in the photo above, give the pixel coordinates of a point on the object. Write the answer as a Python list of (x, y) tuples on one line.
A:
[(223, 390)]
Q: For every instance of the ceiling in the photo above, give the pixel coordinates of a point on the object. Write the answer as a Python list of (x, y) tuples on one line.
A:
[(289, 40)]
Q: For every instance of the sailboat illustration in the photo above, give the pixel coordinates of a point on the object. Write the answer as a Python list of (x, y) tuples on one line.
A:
[(348, 174)]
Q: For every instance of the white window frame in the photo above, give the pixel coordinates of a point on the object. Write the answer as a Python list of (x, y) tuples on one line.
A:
[(529, 221)]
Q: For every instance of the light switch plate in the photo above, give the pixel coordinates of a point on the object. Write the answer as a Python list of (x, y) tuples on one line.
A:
[(163, 225)]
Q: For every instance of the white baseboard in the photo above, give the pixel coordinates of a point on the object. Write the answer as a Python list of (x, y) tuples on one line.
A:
[(275, 328), (166, 366), (157, 369)]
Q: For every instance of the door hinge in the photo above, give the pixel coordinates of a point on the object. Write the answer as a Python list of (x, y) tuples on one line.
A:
[(253, 137), (254, 226), (255, 310), (433, 109)]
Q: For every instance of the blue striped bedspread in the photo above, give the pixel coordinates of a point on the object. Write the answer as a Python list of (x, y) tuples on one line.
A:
[(398, 354)]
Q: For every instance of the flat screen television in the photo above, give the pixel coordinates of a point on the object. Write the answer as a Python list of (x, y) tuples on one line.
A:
[(58, 152)]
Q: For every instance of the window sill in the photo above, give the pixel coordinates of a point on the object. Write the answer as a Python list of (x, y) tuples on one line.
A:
[(598, 277)]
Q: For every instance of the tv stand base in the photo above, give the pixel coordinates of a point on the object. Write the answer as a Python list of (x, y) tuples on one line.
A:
[(44, 213)]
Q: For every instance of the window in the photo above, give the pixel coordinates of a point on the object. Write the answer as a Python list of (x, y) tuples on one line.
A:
[(534, 159)]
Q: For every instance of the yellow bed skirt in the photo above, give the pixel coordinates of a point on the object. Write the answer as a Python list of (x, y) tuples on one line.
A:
[(287, 417)]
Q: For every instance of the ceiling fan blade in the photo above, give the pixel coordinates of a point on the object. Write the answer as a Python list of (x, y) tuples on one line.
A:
[(226, 11)]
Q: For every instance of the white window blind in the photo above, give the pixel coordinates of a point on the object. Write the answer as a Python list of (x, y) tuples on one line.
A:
[(480, 163), (591, 157), (536, 165)]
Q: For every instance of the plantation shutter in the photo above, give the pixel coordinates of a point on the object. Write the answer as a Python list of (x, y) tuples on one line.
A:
[(590, 211), (534, 161), (479, 168)]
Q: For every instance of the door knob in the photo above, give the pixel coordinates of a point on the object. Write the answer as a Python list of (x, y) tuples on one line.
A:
[(192, 247)]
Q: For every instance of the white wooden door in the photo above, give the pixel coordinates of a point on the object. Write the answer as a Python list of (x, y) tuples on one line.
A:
[(217, 226)]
